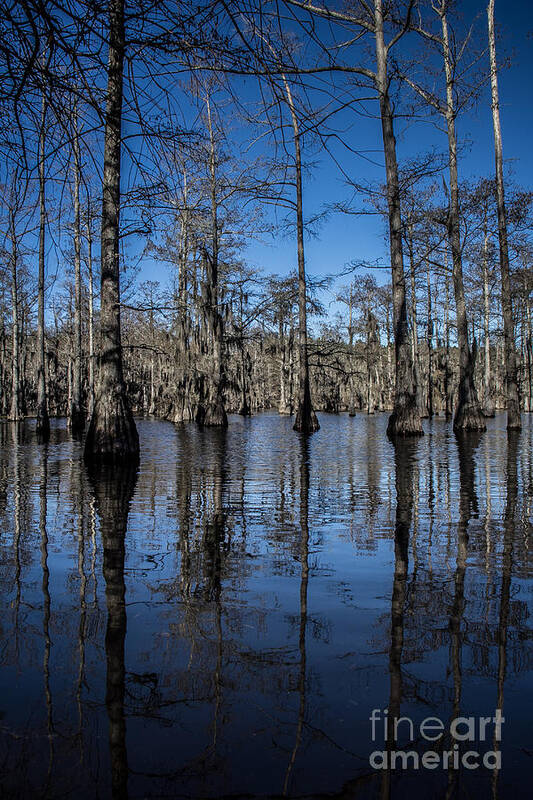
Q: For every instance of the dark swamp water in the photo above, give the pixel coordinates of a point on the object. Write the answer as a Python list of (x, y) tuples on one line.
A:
[(223, 622)]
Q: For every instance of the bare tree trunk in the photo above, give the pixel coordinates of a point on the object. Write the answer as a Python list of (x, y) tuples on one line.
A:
[(430, 343), (389, 358), (306, 420), (529, 349), (76, 415), (15, 413), (3, 369), (112, 435), (513, 400), (283, 407), (291, 366), (43, 421), (417, 371), (351, 387), (91, 313), (405, 418), (488, 401), (184, 411), (468, 414), (447, 370), (215, 414)]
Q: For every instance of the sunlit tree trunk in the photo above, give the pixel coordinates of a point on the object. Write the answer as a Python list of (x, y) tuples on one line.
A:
[(351, 386), (112, 435), (417, 371), (91, 314), (306, 420), (488, 402), (283, 407), (468, 414), (405, 418), (430, 343), (43, 422), (16, 400), (215, 414), (76, 415), (513, 400), (447, 368)]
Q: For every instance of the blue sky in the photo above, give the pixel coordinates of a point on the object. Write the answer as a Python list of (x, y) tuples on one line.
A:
[(343, 238)]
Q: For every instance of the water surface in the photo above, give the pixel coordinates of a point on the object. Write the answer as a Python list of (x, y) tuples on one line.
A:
[(223, 622)]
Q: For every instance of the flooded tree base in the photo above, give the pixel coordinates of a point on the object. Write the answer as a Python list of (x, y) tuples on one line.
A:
[(215, 416), (76, 421), (405, 421), (112, 434), (469, 418), (306, 421), (42, 427)]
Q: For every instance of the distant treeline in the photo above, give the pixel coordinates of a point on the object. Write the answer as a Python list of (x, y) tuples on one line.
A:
[(177, 132)]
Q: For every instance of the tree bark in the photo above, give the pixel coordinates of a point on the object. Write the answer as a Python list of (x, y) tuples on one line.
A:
[(447, 370), (430, 343), (405, 418), (91, 314), (488, 401), (215, 413), (417, 371), (16, 403), (112, 435), (306, 420), (468, 414), (43, 421), (76, 415), (511, 382), (351, 387)]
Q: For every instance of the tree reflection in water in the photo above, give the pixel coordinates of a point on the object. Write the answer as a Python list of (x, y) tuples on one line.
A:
[(404, 460), (261, 593), (113, 488)]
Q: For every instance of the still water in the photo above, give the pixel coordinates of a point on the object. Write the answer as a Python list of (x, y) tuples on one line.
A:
[(223, 621)]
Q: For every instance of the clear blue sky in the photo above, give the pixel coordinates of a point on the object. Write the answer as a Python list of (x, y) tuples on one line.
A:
[(342, 238)]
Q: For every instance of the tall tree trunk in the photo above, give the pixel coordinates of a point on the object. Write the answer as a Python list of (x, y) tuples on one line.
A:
[(283, 407), (306, 420), (488, 402), (447, 369), (3, 369), (351, 382), (15, 413), (112, 435), (76, 415), (417, 371), (43, 421), (468, 414), (215, 414), (405, 418), (430, 343), (185, 411), (91, 313), (511, 382), (529, 353)]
